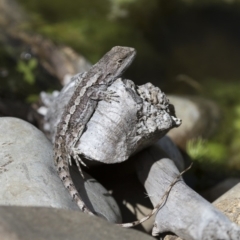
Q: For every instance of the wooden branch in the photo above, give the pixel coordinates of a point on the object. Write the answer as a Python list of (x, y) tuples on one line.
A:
[(117, 130), (184, 213), (172, 152)]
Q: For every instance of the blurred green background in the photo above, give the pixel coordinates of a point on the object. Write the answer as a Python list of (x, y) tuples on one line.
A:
[(197, 38)]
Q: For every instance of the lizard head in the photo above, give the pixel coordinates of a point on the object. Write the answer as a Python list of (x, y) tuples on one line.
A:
[(114, 63)]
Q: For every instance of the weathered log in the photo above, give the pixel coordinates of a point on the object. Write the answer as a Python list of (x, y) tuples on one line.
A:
[(184, 212), (117, 130), (169, 147)]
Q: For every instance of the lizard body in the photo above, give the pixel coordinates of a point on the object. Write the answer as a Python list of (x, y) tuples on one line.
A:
[(91, 89), (82, 104)]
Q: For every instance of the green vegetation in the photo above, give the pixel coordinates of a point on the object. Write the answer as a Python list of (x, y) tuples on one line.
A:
[(207, 152), (90, 27), (223, 149), (27, 69)]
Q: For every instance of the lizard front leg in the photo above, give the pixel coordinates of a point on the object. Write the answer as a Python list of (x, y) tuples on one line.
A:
[(100, 92)]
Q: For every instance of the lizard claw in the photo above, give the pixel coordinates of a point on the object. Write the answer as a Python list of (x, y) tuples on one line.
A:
[(111, 96), (78, 165), (75, 154)]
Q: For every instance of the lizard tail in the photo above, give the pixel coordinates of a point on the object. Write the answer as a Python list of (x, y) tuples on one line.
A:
[(64, 174)]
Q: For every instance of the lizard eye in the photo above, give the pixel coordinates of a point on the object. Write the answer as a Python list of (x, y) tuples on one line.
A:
[(120, 61)]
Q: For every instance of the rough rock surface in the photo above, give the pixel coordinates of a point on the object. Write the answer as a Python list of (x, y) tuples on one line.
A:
[(28, 176), (21, 223), (229, 204)]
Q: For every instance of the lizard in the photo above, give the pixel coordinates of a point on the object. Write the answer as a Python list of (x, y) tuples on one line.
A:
[(91, 89), (79, 109)]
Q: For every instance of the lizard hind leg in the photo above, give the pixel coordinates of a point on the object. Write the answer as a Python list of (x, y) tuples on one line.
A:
[(74, 152)]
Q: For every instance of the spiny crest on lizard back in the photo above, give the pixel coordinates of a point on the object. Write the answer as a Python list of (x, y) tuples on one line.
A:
[(114, 63)]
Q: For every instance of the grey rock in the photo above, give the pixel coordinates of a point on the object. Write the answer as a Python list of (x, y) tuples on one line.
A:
[(28, 223), (221, 188), (200, 118), (229, 204), (28, 176)]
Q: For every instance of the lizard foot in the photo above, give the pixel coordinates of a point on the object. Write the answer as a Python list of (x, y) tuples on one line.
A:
[(106, 95), (110, 96), (75, 154)]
